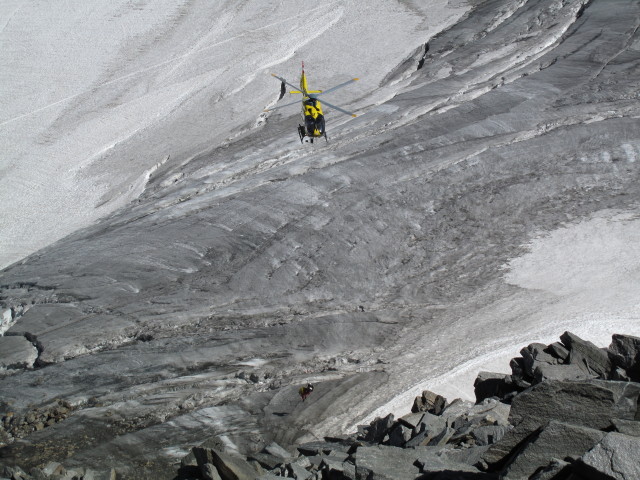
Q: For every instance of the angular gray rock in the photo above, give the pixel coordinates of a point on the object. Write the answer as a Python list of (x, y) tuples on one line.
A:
[(301, 462), (628, 427), (348, 472), (377, 429), (298, 472), (277, 451), (559, 351), (203, 453), (210, 472), (399, 435), (517, 368), (555, 470), (586, 355), (269, 476), (429, 402), (489, 411), (430, 426), (555, 440), (615, 457), (544, 372), (109, 474), (625, 395), (325, 448), (53, 468), (385, 463), (456, 408), (489, 384), (442, 438), (488, 434), (231, 467), (579, 403), (533, 355), (625, 353), (435, 459), (267, 460), (468, 456), (412, 420)]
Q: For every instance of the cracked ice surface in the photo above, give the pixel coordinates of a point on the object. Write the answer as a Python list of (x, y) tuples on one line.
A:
[(482, 202)]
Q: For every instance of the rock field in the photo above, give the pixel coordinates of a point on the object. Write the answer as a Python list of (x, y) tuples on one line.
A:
[(568, 411)]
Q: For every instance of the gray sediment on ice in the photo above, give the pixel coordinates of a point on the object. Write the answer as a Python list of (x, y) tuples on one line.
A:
[(236, 277)]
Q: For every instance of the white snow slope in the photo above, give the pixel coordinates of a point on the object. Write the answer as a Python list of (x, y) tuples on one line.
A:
[(486, 197), (94, 95)]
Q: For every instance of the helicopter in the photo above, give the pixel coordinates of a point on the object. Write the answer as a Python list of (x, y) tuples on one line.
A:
[(314, 123)]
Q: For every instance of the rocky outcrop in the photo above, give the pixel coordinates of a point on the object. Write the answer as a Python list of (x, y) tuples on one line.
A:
[(576, 396), (563, 413)]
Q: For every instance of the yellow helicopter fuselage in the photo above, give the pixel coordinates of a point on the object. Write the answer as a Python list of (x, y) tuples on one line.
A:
[(312, 115), (311, 108)]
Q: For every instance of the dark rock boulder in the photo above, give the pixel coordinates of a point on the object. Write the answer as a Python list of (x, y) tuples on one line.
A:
[(519, 379), (325, 448), (555, 440), (488, 434), (555, 470), (593, 360), (456, 409), (625, 396), (429, 402), (628, 427), (489, 384), (431, 460), (442, 438), (231, 467), (534, 355), (298, 472), (386, 463), (615, 457), (560, 372), (267, 460), (625, 353), (558, 351), (590, 404), (210, 472), (412, 420), (579, 403), (399, 435), (377, 429), (203, 453), (518, 369), (269, 476), (468, 456), (277, 451), (430, 427)]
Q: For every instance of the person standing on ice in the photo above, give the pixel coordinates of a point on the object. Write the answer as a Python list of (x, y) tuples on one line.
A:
[(305, 391)]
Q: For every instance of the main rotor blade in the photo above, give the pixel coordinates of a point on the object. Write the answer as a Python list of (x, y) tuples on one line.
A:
[(283, 80), (338, 86), (338, 108), (282, 106)]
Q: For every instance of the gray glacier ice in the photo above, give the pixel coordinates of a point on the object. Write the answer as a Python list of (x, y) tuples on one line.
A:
[(486, 197)]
